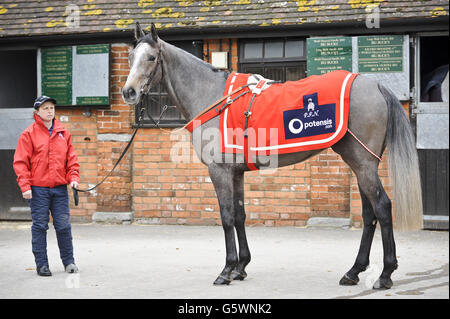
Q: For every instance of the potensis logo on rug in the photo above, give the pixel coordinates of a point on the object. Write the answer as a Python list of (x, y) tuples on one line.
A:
[(312, 119)]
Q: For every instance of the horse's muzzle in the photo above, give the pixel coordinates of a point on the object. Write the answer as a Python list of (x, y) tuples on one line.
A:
[(129, 94)]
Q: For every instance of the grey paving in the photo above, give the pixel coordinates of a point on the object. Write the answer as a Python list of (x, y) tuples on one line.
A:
[(149, 261)]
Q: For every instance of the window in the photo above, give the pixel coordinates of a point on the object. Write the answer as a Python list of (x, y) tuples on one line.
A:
[(273, 50), (18, 80), (275, 59), (158, 98), (431, 108), (433, 67)]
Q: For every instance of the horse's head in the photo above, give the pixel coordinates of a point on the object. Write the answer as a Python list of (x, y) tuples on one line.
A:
[(145, 65)]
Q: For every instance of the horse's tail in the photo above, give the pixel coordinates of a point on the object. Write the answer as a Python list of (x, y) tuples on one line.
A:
[(403, 165)]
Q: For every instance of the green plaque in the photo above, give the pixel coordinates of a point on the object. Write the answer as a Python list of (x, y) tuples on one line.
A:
[(76, 75), (380, 54), (92, 100), (329, 54), (56, 74), (93, 49)]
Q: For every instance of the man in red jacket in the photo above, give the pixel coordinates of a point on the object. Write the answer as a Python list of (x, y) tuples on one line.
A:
[(45, 162)]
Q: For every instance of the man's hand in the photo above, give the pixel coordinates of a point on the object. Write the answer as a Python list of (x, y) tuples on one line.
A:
[(74, 184), (27, 194)]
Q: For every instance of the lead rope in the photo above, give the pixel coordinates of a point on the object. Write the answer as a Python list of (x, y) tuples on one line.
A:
[(76, 190)]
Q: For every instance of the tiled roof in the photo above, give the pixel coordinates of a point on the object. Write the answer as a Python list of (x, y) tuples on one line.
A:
[(22, 18)]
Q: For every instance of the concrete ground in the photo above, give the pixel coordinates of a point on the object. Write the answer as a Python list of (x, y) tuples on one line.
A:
[(142, 261)]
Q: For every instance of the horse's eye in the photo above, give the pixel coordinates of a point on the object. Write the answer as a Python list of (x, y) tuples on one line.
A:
[(151, 58)]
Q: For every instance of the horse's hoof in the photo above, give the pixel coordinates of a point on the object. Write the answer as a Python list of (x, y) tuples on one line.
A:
[(382, 284), (347, 281), (222, 280), (235, 275)]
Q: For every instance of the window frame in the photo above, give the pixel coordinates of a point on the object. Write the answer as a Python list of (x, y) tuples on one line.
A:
[(242, 43), (161, 92), (418, 106)]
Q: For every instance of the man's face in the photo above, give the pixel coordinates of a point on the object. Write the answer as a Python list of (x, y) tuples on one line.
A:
[(46, 111)]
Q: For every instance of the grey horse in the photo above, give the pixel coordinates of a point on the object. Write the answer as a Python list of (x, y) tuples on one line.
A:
[(376, 117)]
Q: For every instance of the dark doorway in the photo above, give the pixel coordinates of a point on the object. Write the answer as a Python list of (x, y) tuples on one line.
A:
[(18, 78)]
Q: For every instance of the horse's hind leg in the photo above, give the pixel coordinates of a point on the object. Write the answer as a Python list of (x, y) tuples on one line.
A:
[(362, 260), (371, 186), (222, 178), (368, 120), (372, 191)]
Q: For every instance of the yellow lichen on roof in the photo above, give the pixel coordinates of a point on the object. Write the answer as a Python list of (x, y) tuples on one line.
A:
[(55, 23), (93, 12), (123, 23), (364, 3), (185, 3), (304, 5), (166, 12), (157, 25), (242, 2), (48, 9), (438, 11), (3, 10), (211, 3), (145, 3)]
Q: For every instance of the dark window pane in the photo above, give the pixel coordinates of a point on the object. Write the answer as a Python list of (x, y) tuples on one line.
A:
[(295, 73), (274, 73), (294, 49), (253, 70), (253, 50), (273, 50)]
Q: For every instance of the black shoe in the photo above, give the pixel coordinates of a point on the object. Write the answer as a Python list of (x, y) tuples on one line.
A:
[(44, 271)]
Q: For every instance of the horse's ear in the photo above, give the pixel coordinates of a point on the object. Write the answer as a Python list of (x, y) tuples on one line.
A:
[(138, 32), (154, 33)]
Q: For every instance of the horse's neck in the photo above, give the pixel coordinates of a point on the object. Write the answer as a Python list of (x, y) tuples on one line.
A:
[(191, 84)]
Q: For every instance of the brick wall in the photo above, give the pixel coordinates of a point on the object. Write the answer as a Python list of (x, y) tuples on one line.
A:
[(222, 45), (163, 191)]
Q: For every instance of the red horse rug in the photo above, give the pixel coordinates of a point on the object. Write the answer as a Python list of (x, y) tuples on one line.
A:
[(295, 116)]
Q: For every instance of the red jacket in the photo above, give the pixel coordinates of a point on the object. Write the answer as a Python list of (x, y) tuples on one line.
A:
[(44, 160)]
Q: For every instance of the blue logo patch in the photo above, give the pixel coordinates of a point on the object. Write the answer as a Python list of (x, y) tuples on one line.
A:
[(312, 119)]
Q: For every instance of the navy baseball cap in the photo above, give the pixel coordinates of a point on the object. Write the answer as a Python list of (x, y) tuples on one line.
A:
[(43, 98)]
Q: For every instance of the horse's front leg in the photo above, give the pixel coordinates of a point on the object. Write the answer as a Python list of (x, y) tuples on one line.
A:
[(244, 252), (222, 179)]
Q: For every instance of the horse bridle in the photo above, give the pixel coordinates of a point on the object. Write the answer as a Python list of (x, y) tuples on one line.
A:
[(146, 87)]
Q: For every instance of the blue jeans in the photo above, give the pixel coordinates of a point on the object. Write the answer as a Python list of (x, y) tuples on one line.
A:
[(55, 200)]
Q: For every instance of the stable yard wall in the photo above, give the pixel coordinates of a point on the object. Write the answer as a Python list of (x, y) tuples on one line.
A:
[(160, 191)]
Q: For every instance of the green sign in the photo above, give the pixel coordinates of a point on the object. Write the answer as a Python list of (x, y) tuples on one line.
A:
[(93, 49), (92, 100), (76, 75), (56, 74), (329, 54), (380, 54)]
